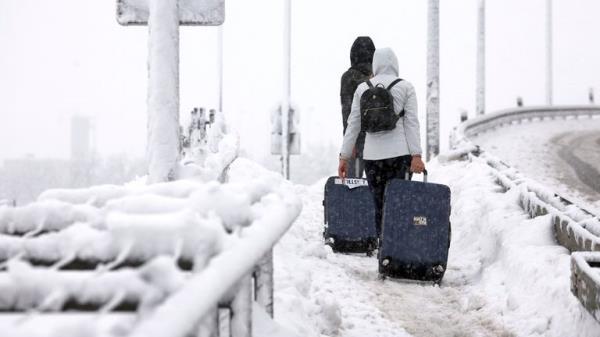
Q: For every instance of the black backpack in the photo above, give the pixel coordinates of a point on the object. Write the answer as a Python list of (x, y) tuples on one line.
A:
[(377, 108)]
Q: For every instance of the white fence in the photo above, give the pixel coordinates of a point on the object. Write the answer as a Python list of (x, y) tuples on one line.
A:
[(575, 228)]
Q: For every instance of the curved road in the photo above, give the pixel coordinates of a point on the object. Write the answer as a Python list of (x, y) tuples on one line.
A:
[(561, 154), (581, 151)]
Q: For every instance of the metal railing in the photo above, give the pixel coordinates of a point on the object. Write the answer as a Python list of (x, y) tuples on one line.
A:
[(216, 298), (483, 123), (570, 221)]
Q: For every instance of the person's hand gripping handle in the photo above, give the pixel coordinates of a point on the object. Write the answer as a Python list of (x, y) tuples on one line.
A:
[(343, 169), (416, 164)]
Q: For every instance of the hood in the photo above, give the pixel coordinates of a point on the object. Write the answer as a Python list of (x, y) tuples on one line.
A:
[(362, 51), (385, 62)]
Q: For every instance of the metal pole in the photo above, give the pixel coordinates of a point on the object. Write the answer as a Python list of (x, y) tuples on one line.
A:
[(549, 61), (209, 324), (241, 309), (163, 90), (480, 104), (285, 106), (220, 47), (264, 283), (433, 80)]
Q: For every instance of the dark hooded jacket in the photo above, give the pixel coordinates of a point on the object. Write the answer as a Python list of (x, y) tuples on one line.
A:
[(361, 59)]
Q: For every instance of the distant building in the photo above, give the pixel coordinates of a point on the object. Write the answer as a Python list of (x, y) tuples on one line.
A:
[(80, 138)]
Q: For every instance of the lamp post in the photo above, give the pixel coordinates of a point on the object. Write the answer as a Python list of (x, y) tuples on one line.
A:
[(285, 105), (480, 91), (220, 48), (433, 80), (549, 72)]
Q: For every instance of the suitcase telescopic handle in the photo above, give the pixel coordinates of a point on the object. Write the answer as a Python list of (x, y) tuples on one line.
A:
[(407, 175)]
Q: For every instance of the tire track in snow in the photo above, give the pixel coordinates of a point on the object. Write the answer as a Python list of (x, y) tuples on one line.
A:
[(578, 151)]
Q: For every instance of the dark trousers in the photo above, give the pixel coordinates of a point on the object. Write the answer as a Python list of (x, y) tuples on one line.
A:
[(356, 167), (379, 172)]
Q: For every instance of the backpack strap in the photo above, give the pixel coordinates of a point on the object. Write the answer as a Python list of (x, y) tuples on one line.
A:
[(370, 84), (394, 83)]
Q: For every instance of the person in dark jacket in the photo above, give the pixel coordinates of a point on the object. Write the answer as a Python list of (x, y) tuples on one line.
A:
[(361, 58)]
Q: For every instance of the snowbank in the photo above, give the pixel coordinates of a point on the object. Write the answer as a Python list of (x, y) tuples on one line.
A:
[(512, 259)]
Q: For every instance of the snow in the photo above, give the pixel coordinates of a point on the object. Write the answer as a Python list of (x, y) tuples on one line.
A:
[(158, 223), (24, 287), (72, 325), (583, 260), (506, 274), (45, 215), (178, 314), (536, 155), (205, 12)]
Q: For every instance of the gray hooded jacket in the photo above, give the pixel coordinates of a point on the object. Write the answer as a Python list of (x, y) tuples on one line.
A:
[(405, 139)]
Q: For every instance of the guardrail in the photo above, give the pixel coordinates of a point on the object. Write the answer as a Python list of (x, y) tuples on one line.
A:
[(575, 228), (186, 266), (486, 122)]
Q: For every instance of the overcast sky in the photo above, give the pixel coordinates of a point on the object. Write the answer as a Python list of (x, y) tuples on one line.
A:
[(65, 57)]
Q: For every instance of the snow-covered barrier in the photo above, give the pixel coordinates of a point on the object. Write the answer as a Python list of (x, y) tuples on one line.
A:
[(486, 122), (172, 253), (575, 228), (585, 268)]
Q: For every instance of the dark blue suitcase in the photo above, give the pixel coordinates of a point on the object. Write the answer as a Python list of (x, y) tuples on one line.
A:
[(415, 230), (349, 210)]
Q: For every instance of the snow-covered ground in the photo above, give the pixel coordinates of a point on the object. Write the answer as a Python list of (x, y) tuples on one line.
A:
[(538, 150), (506, 274)]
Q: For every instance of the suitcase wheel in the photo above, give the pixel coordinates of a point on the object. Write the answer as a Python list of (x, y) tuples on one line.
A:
[(439, 269), (371, 246)]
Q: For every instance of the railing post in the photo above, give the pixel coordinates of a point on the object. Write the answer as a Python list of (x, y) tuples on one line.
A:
[(241, 309), (263, 286), (209, 324)]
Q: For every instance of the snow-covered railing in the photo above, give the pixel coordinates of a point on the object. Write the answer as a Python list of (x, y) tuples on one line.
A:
[(575, 228), (585, 278), (174, 253)]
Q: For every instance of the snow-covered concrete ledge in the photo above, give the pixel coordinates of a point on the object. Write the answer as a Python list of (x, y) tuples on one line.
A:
[(575, 228), (508, 116), (585, 280)]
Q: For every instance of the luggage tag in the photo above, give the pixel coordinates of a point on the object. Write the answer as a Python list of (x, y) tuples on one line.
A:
[(351, 183)]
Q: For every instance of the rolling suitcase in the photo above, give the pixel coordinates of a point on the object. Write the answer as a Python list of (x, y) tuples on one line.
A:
[(349, 211), (415, 230)]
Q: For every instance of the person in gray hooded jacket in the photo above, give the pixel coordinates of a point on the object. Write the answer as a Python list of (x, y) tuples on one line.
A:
[(387, 154)]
